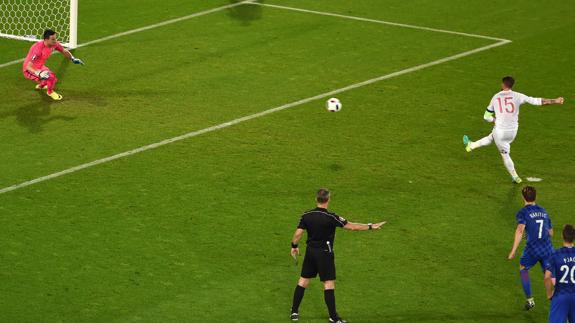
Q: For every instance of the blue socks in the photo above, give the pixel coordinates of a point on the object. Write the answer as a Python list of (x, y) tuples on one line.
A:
[(526, 282)]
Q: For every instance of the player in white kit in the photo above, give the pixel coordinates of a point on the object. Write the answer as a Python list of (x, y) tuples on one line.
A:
[(504, 111)]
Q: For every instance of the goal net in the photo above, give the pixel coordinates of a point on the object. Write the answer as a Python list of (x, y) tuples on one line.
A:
[(27, 19)]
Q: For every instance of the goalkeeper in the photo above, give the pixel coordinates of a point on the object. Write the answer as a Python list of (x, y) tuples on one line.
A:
[(34, 68)]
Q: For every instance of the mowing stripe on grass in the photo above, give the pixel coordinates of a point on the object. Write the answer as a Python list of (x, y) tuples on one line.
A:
[(383, 22), (248, 117)]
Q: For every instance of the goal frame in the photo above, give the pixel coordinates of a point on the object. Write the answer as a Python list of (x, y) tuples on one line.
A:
[(73, 32)]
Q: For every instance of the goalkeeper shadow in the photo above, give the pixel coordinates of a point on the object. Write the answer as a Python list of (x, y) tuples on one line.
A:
[(246, 13)]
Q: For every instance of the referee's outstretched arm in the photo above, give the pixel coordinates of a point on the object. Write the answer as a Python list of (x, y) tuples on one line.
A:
[(362, 227)]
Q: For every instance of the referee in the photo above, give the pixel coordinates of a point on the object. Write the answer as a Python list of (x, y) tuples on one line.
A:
[(320, 225)]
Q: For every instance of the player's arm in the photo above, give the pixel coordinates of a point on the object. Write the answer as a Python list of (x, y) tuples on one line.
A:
[(518, 236), (489, 114), (548, 280), (362, 227), (540, 101), (295, 240), (69, 55), (44, 75), (558, 100), (31, 69), (551, 232)]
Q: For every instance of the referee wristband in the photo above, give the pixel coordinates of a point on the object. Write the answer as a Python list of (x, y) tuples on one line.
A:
[(294, 245)]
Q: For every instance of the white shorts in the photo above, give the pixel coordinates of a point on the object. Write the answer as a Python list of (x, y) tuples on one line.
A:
[(503, 139)]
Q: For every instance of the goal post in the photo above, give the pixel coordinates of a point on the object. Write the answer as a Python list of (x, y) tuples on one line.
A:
[(27, 20)]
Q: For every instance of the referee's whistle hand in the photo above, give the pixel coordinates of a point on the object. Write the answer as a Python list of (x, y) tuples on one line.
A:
[(294, 252)]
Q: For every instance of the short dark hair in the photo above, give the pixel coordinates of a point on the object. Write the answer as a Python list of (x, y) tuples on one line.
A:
[(508, 81), (48, 33), (322, 195), (568, 233), (529, 193)]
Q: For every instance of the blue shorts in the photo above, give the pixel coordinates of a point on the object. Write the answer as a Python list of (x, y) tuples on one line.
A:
[(528, 261), (562, 308)]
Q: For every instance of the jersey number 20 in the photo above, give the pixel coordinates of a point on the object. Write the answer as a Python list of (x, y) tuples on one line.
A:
[(567, 270)]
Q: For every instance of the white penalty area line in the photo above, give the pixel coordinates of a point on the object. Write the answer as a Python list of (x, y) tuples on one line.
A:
[(383, 22), (247, 118), (138, 30)]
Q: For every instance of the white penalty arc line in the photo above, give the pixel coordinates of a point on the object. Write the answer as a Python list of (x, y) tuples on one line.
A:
[(383, 22), (138, 30), (247, 118)]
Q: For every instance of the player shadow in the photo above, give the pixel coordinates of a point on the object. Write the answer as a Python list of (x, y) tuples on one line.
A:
[(245, 13), (35, 115), (511, 204)]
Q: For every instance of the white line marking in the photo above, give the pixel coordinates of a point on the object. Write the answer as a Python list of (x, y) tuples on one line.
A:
[(137, 30), (247, 118), (167, 22), (379, 21), (12, 63)]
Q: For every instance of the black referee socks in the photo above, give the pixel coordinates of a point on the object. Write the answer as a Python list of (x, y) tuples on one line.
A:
[(297, 297), (329, 295)]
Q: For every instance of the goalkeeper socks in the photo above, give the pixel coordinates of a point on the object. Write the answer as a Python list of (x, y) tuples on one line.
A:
[(329, 296), (526, 282), (297, 297), (509, 165), (51, 82), (485, 141)]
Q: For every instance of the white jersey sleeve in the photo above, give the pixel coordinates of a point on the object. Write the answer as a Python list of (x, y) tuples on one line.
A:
[(527, 99)]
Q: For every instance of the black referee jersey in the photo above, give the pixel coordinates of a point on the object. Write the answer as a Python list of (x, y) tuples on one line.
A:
[(320, 225)]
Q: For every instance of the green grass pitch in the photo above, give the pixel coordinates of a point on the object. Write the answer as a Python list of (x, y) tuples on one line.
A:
[(199, 230)]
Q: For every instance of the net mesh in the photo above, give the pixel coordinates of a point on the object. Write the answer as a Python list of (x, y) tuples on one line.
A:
[(27, 19)]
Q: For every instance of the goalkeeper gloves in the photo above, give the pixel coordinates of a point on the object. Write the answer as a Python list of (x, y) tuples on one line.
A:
[(76, 60), (44, 75)]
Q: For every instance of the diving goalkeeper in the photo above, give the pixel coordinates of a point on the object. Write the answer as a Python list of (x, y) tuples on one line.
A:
[(34, 68)]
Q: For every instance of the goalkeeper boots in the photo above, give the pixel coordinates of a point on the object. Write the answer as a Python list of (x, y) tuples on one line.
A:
[(55, 96)]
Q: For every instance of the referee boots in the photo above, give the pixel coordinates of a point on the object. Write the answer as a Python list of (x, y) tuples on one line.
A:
[(337, 320)]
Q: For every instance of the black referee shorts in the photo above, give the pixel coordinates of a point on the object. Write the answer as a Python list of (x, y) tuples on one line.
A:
[(318, 261)]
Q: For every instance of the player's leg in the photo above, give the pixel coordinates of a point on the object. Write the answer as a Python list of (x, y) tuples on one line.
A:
[(471, 145), (51, 83), (32, 77), (525, 263), (327, 276), (559, 309), (503, 140), (308, 271)]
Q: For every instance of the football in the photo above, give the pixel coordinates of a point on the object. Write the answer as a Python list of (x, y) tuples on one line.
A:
[(333, 105)]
